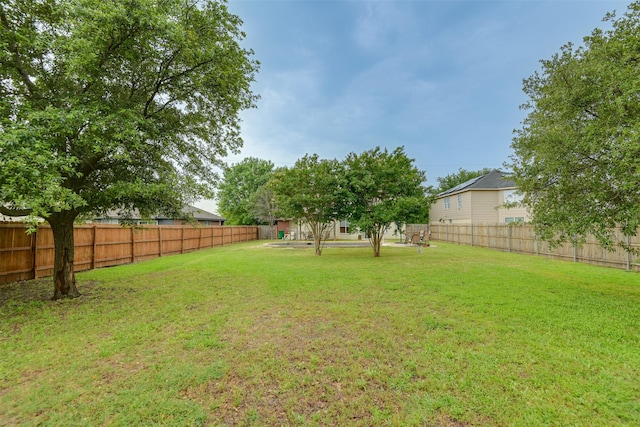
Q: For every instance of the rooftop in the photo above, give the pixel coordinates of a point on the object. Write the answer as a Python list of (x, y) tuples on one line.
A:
[(493, 180)]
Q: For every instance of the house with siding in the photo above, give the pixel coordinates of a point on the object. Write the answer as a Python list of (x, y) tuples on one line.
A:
[(337, 230), (201, 216), (480, 200)]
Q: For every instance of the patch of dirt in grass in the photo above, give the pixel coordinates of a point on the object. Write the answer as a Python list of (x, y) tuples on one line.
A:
[(26, 291), (298, 371), (29, 291), (445, 420)]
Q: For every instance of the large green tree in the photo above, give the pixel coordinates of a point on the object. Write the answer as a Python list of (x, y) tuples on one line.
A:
[(237, 191), (577, 156), (313, 191), (384, 187), (115, 104)]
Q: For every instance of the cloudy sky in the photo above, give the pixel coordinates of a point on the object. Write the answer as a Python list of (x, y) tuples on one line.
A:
[(442, 78)]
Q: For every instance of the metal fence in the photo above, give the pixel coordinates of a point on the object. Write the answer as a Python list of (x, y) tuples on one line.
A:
[(29, 256)]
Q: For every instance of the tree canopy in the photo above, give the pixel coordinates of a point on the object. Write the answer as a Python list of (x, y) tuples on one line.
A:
[(265, 207), (577, 156), (110, 104), (238, 190), (313, 190), (384, 187)]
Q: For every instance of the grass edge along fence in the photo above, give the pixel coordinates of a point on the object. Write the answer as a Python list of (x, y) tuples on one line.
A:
[(521, 238), (30, 256)]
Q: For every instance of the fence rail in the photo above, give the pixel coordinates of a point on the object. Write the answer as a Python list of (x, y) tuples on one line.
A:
[(24, 256), (521, 238)]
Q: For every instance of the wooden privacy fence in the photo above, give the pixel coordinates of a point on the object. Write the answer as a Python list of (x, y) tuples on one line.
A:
[(24, 256), (521, 238)]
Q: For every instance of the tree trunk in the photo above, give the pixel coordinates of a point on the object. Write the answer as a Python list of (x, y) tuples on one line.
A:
[(317, 238), (376, 240), (64, 279)]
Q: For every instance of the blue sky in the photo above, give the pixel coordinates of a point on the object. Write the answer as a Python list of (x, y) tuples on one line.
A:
[(443, 78)]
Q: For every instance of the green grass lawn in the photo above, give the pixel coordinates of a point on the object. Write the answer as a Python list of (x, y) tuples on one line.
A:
[(250, 335)]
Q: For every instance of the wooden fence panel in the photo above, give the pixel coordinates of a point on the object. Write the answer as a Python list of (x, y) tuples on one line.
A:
[(45, 254), (227, 237), (114, 246), (521, 238), (24, 256), (16, 252), (147, 243), (172, 240), (218, 233), (83, 251)]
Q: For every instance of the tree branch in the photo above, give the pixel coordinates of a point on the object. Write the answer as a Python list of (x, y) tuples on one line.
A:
[(162, 82), (17, 60), (14, 212)]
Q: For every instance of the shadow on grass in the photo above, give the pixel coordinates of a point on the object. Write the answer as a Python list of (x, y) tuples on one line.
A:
[(38, 290)]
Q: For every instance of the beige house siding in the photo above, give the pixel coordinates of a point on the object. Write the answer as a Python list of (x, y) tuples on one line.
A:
[(485, 204), (334, 230), (479, 200), (454, 213), (478, 206)]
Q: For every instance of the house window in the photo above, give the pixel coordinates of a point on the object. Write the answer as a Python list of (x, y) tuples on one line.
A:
[(447, 203), (516, 219), (512, 196), (459, 201), (344, 227)]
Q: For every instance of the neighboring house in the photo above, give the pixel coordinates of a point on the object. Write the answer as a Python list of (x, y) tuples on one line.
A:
[(480, 200), (338, 230), (202, 217), (5, 218)]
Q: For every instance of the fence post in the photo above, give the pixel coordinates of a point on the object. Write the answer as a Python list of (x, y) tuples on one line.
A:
[(182, 240), (93, 249), (488, 235), (472, 234), (628, 252), (160, 238), (133, 245), (34, 247), (508, 238)]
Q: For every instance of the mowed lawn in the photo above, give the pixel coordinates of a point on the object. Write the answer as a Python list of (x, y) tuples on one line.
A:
[(251, 335)]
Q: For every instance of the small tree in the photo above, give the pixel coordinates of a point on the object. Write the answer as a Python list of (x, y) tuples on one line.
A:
[(384, 187), (313, 191), (265, 207), (237, 191)]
